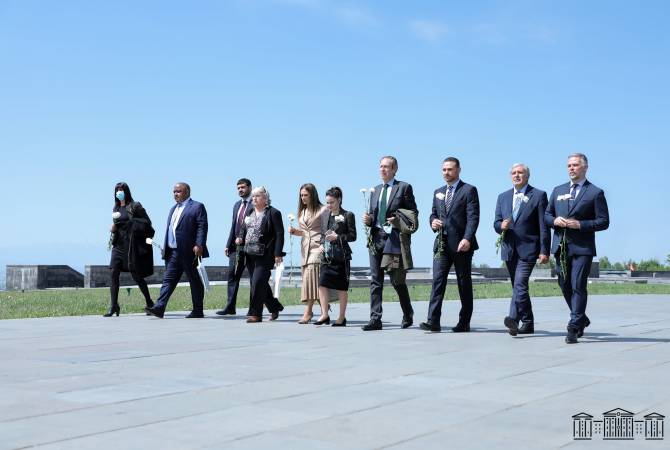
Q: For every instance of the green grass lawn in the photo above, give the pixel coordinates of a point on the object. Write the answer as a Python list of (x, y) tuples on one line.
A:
[(79, 302)]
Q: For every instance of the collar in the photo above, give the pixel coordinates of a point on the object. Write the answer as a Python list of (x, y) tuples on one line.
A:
[(454, 184), (184, 203), (578, 183), (390, 184), (246, 199), (522, 190)]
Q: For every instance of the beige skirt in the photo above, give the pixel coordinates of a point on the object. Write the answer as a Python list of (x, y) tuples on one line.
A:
[(310, 282)]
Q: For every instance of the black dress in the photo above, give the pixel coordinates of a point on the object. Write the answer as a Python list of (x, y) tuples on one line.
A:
[(120, 250), (335, 275)]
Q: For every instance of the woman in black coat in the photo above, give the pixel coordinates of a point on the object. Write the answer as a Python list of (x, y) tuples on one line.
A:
[(338, 228), (130, 252), (262, 238)]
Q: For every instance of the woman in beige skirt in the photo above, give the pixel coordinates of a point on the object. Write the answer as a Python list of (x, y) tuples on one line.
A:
[(309, 222)]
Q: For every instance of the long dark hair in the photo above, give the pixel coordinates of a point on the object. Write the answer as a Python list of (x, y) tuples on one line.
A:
[(314, 203), (124, 187)]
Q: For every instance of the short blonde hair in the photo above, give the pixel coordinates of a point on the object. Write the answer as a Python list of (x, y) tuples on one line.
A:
[(262, 190)]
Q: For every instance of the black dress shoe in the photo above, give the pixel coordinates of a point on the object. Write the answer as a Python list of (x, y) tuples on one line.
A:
[(227, 312), (275, 315), (571, 338), (340, 324), (195, 315), (425, 326), (154, 312), (461, 328), (113, 310), (325, 321), (407, 321), (372, 325), (527, 328), (512, 325), (586, 322), (150, 304)]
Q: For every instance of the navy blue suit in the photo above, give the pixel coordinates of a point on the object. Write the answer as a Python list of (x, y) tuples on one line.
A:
[(235, 271), (525, 240), (590, 209), (460, 222), (191, 230)]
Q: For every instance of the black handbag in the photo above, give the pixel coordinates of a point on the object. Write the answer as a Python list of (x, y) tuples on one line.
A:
[(334, 253), (254, 249)]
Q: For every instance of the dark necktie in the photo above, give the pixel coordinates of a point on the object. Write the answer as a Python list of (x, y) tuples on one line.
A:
[(573, 193), (517, 205), (240, 216), (382, 207), (447, 201)]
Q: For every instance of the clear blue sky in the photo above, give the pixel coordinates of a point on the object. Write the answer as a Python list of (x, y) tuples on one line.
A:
[(290, 91)]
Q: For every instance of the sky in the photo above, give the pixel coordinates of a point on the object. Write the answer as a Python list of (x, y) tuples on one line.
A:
[(292, 91)]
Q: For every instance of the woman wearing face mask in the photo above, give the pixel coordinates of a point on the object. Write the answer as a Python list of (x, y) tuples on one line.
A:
[(130, 251)]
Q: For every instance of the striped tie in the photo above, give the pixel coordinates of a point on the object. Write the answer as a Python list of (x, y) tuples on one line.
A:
[(517, 205), (447, 201)]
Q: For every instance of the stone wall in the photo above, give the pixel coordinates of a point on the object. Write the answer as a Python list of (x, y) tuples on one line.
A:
[(26, 277), (99, 276)]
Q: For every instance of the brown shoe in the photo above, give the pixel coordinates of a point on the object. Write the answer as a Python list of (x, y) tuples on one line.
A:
[(254, 319)]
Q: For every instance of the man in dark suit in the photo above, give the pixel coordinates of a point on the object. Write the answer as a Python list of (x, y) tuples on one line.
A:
[(236, 259), (455, 218), (185, 242), (388, 197), (576, 210), (520, 216)]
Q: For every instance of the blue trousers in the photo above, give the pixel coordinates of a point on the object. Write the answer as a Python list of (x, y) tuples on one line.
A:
[(574, 287), (520, 308), (175, 266)]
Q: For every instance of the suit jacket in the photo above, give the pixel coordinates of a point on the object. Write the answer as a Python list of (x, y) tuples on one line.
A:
[(230, 244), (402, 196), (191, 230), (589, 208), (463, 218), (527, 237), (346, 231), (272, 233)]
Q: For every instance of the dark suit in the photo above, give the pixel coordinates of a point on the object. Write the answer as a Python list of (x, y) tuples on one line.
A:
[(525, 240), (236, 260), (260, 267), (400, 197), (590, 209), (460, 222), (191, 230)]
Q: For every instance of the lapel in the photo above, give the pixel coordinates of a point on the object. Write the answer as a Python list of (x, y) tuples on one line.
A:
[(169, 219), (457, 194), (374, 202), (522, 206), (579, 198), (441, 211), (184, 211), (562, 207), (507, 204), (394, 191)]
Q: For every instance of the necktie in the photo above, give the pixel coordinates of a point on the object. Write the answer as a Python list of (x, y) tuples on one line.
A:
[(381, 218), (517, 205), (172, 239), (450, 196), (240, 216), (573, 194)]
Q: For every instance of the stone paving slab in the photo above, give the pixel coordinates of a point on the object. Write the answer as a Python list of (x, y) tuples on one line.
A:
[(140, 382)]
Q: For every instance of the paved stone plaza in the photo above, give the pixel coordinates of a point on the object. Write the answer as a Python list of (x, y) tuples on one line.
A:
[(138, 382)]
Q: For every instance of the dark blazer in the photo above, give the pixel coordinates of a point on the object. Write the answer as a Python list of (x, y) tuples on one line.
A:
[(272, 233), (191, 230), (589, 208), (528, 237), (463, 218), (230, 244), (346, 231), (401, 197)]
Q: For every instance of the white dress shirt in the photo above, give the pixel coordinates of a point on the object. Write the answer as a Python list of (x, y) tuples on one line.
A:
[(174, 221)]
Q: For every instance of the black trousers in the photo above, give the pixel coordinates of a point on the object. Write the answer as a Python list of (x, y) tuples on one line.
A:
[(260, 268), (234, 277), (175, 267), (377, 287), (462, 262), (114, 286)]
